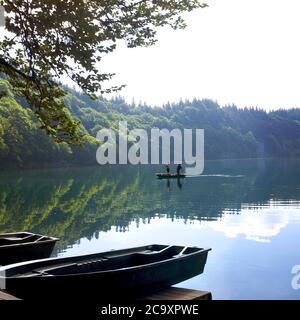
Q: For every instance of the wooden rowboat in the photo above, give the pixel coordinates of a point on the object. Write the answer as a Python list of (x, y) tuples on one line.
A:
[(118, 273), (23, 246), (169, 175)]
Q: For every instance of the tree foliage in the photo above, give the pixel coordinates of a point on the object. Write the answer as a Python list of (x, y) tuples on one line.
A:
[(48, 39)]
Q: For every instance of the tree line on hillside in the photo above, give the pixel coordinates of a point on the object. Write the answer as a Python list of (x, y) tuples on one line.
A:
[(230, 132)]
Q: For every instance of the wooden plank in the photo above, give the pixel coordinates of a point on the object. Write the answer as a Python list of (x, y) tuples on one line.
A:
[(174, 293), (6, 296)]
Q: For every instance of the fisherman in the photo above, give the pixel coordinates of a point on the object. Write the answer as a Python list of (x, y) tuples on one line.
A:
[(179, 168), (168, 168)]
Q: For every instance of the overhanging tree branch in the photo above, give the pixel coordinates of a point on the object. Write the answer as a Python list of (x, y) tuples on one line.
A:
[(70, 37)]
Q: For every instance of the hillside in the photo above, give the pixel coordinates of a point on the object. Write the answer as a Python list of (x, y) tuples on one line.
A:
[(229, 132)]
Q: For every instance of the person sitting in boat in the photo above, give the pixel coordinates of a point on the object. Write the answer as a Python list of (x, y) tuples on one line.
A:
[(179, 168), (168, 168)]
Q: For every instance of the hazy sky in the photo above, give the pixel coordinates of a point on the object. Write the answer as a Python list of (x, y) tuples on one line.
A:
[(245, 52)]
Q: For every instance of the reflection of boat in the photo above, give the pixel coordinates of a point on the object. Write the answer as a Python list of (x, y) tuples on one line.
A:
[(22, 246), (114, 273), (170, 175)]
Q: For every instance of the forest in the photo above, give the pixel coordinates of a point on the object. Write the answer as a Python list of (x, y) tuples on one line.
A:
[(230, 132)]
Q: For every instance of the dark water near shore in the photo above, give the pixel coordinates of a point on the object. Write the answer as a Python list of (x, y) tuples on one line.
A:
[(247, 211)]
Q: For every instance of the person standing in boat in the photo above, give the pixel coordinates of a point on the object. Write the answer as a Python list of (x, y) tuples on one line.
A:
[(179, 168), (168, 168)]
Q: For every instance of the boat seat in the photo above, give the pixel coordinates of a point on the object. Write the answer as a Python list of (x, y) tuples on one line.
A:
[(92, 261), (150, 257)]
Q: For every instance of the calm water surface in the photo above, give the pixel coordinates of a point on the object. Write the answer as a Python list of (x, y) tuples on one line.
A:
[(247, 211)]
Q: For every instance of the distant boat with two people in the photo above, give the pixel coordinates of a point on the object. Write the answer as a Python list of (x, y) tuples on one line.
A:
[(168, 174)]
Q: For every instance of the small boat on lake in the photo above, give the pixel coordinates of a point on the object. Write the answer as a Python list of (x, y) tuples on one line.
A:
[(113, 274), (24, 246), (170, 175)]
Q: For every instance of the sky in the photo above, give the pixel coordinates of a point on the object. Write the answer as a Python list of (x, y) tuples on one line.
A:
[(242, 52)]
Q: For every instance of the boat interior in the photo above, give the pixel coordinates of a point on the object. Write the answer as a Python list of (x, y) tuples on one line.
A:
[(22, 237), (150, 254)]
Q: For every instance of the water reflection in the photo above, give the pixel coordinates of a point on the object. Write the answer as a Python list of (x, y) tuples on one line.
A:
[(260, 226), (77, 203), (169, 182)]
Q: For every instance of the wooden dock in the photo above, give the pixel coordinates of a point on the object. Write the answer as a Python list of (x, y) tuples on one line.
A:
[(172, 293), (6, 296)]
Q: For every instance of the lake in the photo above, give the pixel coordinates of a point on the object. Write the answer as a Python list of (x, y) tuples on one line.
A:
[(247, 211)]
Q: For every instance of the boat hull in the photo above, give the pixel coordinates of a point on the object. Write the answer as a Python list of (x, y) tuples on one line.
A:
[(121, 283), (170, 175), (24, 251)]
